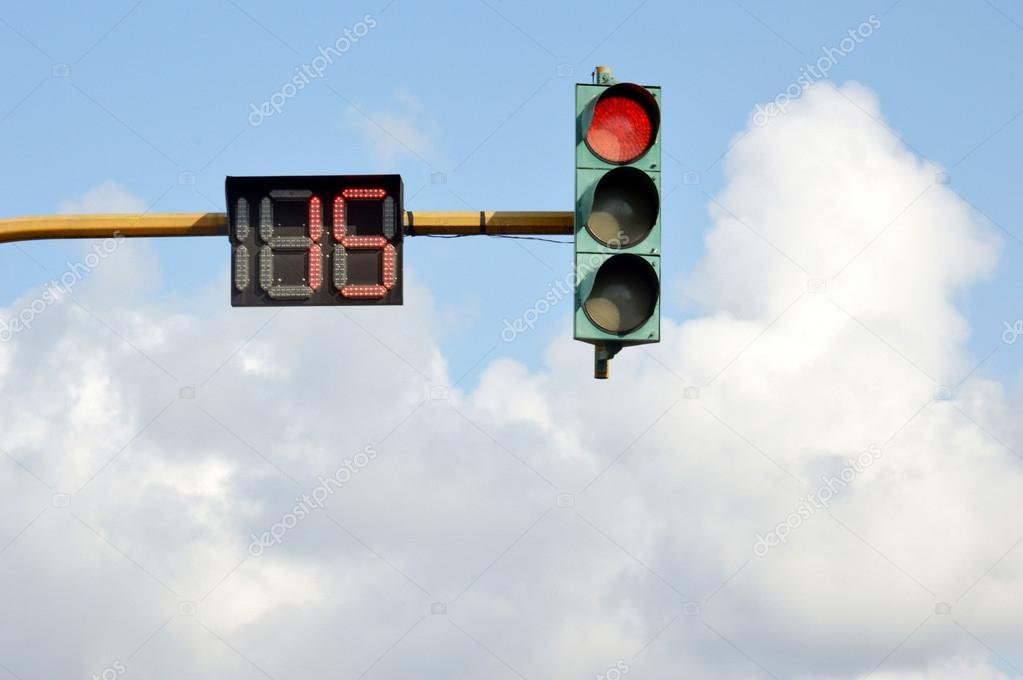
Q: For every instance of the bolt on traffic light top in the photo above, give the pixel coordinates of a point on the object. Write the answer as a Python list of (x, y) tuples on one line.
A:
[(617, 215)]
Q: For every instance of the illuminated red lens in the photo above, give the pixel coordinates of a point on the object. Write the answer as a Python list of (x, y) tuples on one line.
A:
[(315, 267), (315, 219), (621, 130)]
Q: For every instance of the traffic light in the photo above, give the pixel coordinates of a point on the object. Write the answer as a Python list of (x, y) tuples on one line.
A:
[(306, 241), (617, 216)]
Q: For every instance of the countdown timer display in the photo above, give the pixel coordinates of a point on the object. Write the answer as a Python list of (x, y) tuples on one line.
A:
[(315, 241)]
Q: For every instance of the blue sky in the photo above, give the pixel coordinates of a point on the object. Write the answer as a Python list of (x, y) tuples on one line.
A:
[(475, 91)]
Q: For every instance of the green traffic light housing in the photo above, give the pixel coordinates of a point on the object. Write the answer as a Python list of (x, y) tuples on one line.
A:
[(617, 216)]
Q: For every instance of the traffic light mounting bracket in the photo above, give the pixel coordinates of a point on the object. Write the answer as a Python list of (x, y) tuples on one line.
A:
[(602, 355)]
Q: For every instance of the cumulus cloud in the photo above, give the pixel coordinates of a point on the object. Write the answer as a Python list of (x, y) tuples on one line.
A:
[(541, 524), (402, 129), (107, 197)]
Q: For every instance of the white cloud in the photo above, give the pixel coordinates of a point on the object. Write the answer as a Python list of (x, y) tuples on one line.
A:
[(398, 131), (460, 505), (951, 669), (107, 197)]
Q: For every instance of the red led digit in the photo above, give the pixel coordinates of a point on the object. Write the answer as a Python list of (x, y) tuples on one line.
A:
[(388, 255), (390, 266), (315, 233), (364, 292), (315, 219), (315, 267), (339, 218), (364, 194), (363, 242)]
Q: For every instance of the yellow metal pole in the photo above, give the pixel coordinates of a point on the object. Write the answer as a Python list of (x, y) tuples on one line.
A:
[(215, 224), (106, 226)]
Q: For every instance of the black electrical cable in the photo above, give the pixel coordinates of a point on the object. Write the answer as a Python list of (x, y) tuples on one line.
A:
[(411, 231), (530, 238), (525, 238)]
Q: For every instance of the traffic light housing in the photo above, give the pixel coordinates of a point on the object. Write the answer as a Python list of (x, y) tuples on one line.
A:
[(617, 216)]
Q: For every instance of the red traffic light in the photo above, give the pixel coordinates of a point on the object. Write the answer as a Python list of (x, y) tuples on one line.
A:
[(624, 124)]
